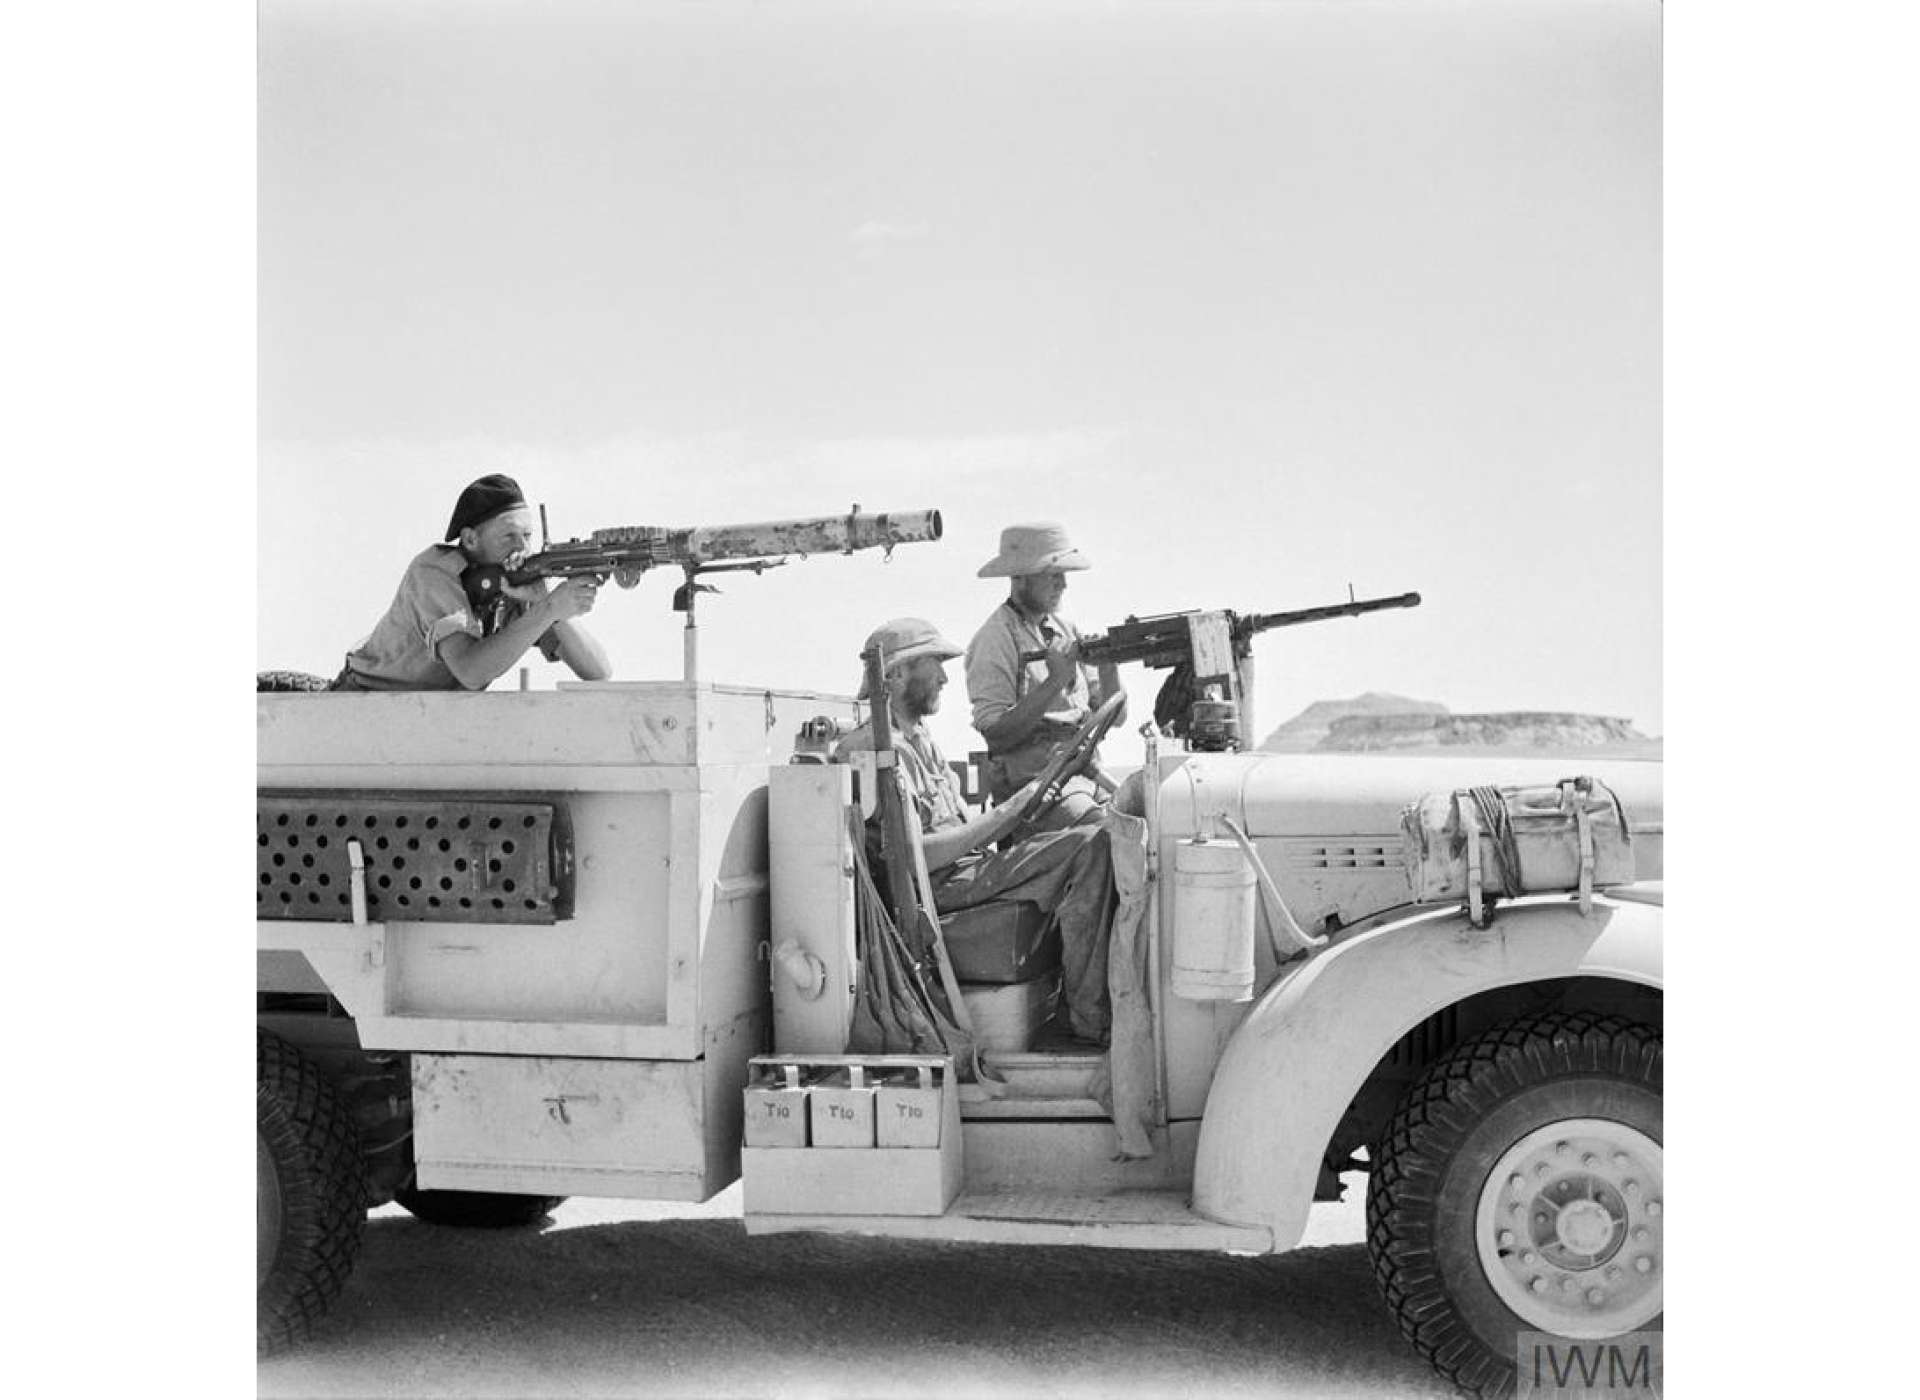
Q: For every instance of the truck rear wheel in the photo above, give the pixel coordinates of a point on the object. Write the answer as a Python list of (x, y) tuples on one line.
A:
[(310, 1205), (1519, 1189), (483, 1210), (289, 682)]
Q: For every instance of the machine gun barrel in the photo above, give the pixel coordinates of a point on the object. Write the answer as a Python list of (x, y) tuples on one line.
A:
[(1260, 622), (630, 549), (827, 534)]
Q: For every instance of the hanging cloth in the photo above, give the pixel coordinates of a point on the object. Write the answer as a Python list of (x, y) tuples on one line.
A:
[(894, 1011)]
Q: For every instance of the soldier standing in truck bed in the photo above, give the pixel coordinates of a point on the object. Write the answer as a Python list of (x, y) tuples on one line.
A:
[(434, 637), (1024, 708)]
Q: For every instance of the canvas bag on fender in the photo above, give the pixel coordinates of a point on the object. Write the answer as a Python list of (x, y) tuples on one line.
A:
[(1480, 842)]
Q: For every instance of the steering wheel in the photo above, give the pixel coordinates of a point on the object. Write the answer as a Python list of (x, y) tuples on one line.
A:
[(1070, 759)]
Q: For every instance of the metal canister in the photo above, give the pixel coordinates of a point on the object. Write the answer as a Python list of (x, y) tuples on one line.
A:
[(1213, 921)]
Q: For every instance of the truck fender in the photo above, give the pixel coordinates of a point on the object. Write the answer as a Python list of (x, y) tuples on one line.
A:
[(1305, 1049)]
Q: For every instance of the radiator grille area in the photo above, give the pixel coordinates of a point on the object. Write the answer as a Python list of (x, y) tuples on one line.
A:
[(1360, 853)]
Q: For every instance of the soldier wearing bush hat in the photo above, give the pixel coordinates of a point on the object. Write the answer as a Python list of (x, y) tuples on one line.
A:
[(1024, 708), (433, 636)]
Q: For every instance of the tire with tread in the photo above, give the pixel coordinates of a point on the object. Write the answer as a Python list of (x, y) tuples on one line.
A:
[(1435, 1155), (476, 1210), (312, 1202), (288, 682)]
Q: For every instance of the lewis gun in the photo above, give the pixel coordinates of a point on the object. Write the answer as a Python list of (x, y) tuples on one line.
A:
[(626, 552)]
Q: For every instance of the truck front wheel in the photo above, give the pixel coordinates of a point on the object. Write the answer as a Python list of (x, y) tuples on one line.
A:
[(1519, 1189), (483, 1210), (310, 1203)]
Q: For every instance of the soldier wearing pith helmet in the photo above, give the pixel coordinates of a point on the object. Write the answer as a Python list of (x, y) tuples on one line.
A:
[(1024, 708), (990, 858)]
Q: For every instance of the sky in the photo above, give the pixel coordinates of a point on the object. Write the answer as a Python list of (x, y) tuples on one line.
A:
[(1261, 301)]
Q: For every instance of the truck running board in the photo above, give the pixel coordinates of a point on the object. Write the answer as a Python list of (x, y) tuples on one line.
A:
[(1110, 1220)]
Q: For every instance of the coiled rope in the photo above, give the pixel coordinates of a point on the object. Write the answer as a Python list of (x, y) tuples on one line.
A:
[(1498, 822)]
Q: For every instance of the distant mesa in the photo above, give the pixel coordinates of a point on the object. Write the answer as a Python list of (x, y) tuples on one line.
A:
[(1376, 723), (1307, 730)]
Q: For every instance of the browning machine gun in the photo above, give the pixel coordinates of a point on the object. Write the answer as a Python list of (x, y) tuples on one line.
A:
[(1204, 700), (627, 551)]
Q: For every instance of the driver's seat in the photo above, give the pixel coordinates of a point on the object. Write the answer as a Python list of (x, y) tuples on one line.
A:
[(1006, 957)]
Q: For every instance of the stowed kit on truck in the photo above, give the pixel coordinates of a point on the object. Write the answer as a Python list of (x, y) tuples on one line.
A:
[(607, 940)]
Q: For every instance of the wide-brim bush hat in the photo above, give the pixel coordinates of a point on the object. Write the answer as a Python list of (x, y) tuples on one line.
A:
[(1041, 547), (903, 639)]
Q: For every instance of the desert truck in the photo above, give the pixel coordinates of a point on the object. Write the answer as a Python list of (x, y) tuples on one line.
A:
[(605, 940)]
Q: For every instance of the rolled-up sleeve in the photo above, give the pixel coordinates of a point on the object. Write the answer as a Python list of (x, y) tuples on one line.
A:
[(441, 607), (993, 663)]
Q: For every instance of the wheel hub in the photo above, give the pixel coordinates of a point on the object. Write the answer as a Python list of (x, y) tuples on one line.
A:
[(1586, 1227), (1569, 1228)]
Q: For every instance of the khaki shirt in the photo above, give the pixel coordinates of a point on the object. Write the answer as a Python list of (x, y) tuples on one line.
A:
[(403, 650), (997, 679), (930, 783)]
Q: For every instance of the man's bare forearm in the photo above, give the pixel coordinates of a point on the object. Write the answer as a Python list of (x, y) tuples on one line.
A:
[(1023, 721), (582, 651), (943, 848), (478, 663)]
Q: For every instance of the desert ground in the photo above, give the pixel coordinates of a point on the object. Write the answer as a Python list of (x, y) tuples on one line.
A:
[(617, 1298)]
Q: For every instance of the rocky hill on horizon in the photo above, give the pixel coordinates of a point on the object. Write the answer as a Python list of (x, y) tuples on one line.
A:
[(1381, 723), (1307, 729)]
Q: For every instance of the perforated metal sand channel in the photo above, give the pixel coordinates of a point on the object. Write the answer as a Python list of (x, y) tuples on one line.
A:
[(430, 857)]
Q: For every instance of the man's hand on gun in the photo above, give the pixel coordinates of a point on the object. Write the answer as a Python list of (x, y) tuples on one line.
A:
[(569, 598), (1063, 660)]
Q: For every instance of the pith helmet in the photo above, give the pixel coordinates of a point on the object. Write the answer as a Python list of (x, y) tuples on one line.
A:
[(1038, 548), (903, 639)]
